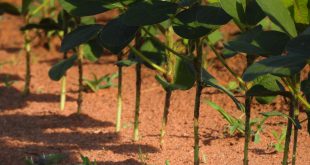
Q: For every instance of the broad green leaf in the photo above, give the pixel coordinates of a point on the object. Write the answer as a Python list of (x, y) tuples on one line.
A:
[(8, 8), (58, 70), (259, 42), (209, 80), (87, 7), (79, 36), (277, 65), (198, 21), (92, 50), (148, 13), (183, 78), (279, 14), (115, 36), (266, 88), (253, 13)]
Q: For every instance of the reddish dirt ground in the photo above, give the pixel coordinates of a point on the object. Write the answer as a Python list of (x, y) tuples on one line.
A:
[(35, 125)]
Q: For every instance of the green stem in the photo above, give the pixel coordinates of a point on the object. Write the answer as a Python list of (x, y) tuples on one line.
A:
[(27, 48), (137, 107), (119, 97), (248, 101), (80, 70), (288, 132), (198, 64), (295, 142), (165, 117)]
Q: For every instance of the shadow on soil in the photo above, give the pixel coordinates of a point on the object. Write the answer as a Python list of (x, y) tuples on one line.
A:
[(11, 98), (31, 135)]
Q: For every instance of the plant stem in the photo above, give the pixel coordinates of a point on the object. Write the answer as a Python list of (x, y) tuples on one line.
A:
[(27, 48), (198, 64), (165, 116), (80, 69), (63, 92), (288, 132), (119, 97), (248, 101), (137, 107), (295, 143)]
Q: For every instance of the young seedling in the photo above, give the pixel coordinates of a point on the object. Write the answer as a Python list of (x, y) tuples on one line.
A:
[(96, 83)]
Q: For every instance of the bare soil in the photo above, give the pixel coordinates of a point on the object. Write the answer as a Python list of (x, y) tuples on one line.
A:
[(35, 125)]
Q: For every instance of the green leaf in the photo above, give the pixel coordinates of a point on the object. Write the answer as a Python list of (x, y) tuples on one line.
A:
[(8, 8), (92, 50), (58, 70), (277, 65), (279, 14), (126, 63), (183, 76), (79, 36), (259, 42), (115, 36), (302, 12), (235, 8), (25, 6), (253, 13), (299, 45), (148, 13), (87, 7), (46, 24), (266, 88), (208, 79), (198, 21)]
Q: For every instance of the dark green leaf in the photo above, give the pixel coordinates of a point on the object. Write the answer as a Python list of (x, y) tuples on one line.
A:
[(58, 70), (148, 13), (79, 36), (259, 42), (253, 13), (8, 8), (25, 6), (266, 88), (235, 8), (184, 75), (116, 35), (198, 21), (299, 45), (46, 24), (92, 50), (277, 65), (87, 7)]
